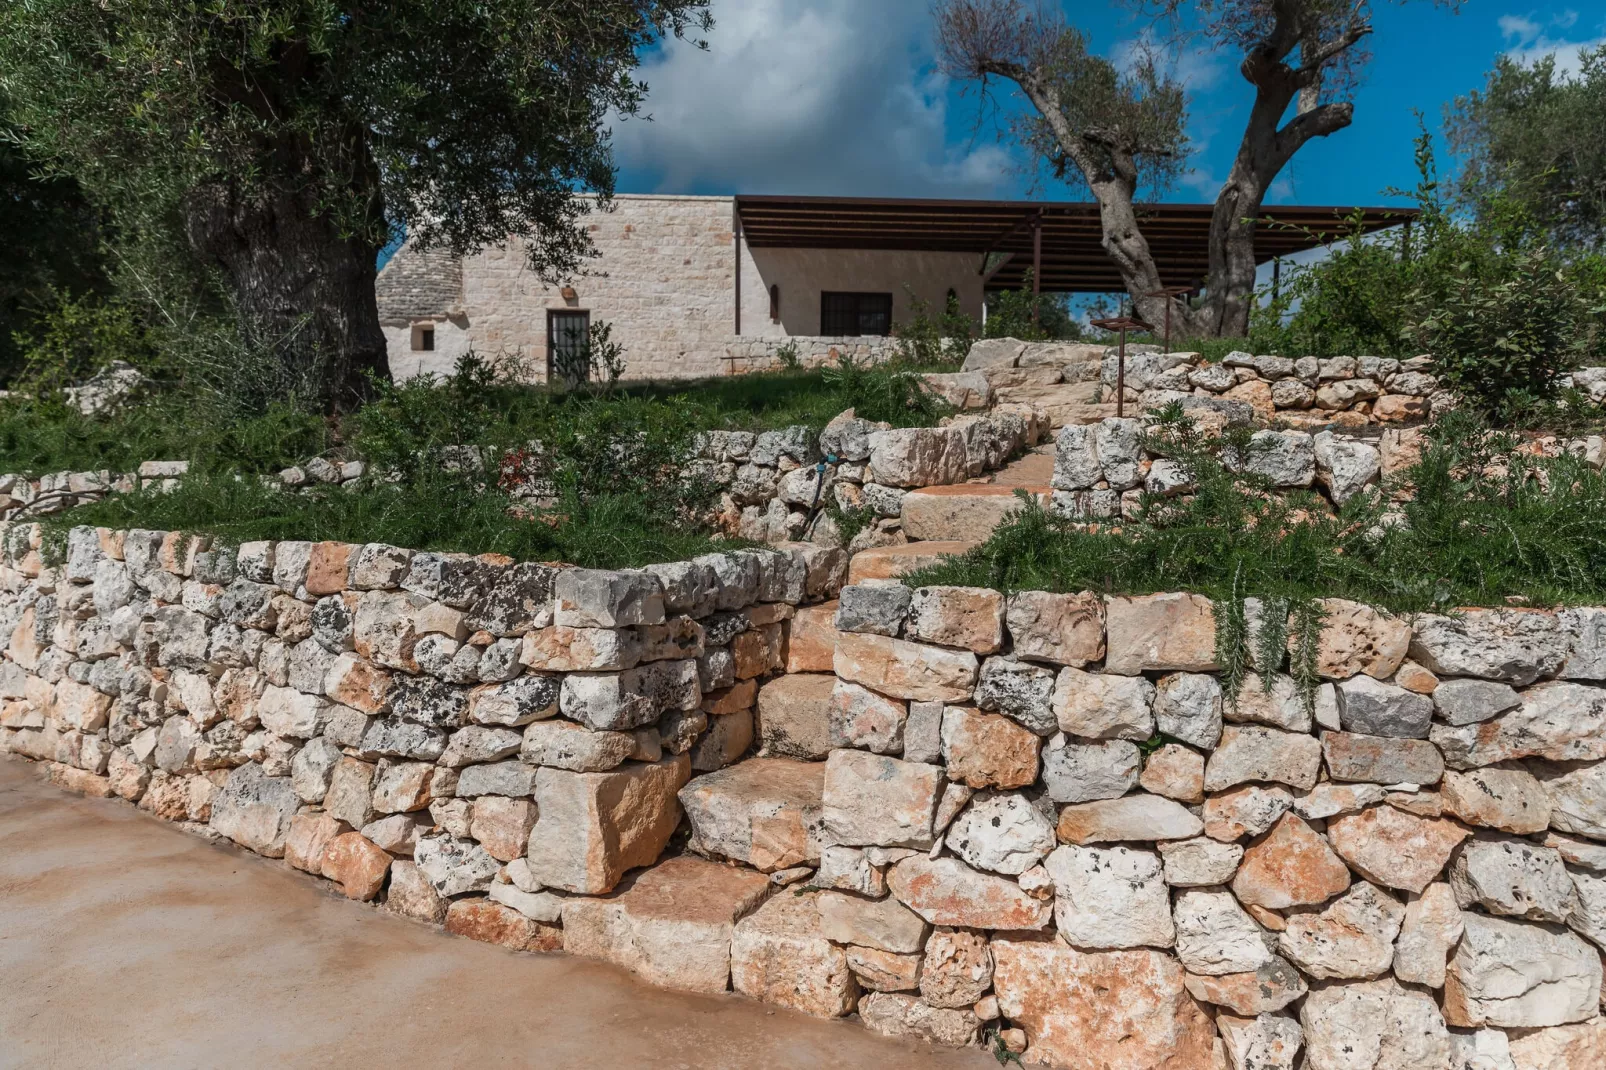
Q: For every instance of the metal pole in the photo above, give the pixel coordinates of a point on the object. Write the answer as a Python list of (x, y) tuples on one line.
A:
[(1276, 278), (1037, 265), (1120, 377), (1168, 324), (737, 242)]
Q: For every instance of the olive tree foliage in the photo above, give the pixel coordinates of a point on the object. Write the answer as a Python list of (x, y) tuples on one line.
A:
[(1536, 137), (295, 136), (1121, 131)]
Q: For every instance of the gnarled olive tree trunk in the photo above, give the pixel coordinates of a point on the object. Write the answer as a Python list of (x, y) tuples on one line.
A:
[(304, 290)]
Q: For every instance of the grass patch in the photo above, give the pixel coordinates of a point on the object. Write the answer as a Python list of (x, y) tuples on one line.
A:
[(1478, 532), (482, 402), (615, 531)]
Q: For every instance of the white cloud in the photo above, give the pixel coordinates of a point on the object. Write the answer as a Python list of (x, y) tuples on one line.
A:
[(1198, 67), (1528, 40), (809, 96)]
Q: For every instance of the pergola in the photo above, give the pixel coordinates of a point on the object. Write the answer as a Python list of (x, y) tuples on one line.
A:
[(1059, 241)]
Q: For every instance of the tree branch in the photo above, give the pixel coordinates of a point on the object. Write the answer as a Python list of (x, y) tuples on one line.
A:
[(1318, 122), (1317, 58)]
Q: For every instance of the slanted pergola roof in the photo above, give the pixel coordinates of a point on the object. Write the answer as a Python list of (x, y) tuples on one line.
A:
[(1072, 257)]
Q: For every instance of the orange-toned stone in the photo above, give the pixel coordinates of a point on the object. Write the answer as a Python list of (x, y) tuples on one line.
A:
[(988, 750), (1160, 632), (309, 836), (1394, 848), (1175, 771), (168, 798), (1358, 638), (945, 891), (906, 670), (491, 922), (502, 825), (730, 700), (355, 682), (80, 781), (178, 551), (890, 562), (1103, 1010), (971, 618), (811, 638), (1289, 866), (779, 954), (1396, 408), (756, 651), (671, 925), (328, 567), (357, 864), (1257, 394), (1414, 677)]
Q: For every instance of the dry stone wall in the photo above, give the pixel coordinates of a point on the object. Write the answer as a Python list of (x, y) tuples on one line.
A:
[(1032, 820), (1077, 382), (1103, 470), (774, 484)]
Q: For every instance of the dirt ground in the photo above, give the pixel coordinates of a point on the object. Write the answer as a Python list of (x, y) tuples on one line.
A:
[(125, 942)]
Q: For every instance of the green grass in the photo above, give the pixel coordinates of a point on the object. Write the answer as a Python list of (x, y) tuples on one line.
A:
[(620, 531), (481, 403), (1536, 533)]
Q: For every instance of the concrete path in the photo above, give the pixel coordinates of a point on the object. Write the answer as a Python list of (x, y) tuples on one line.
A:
[(125, 942)]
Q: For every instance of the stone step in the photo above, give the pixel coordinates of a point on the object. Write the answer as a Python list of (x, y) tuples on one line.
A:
[(890, 562), (765, 812), (966, 512)]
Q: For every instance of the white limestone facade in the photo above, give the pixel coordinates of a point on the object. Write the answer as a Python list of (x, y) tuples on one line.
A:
[(666, 279)]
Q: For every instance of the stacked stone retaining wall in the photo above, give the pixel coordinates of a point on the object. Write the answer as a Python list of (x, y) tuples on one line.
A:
[(1035, 820)]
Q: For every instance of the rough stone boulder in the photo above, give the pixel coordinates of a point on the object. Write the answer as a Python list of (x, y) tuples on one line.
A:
[(670, 925), (1160, 632), (945, 891), (780, 955), (1514, 974), (766, 812), (878, 801), (906, 670), (594, 826), (1100, 1010), (254, 810), (1373, 1025)]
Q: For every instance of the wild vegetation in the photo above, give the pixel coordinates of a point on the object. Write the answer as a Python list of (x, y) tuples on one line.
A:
[(1475, 530)]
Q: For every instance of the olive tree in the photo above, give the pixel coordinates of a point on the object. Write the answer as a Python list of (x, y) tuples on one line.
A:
[(1119, 131), (296, 137)]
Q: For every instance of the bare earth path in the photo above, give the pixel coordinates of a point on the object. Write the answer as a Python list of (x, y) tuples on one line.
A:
[(125, 942)]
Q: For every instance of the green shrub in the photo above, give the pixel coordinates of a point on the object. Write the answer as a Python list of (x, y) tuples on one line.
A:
[(1502, 335), (889, 390)]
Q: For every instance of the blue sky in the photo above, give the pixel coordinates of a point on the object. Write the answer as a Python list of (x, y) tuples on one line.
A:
[(840, 97)]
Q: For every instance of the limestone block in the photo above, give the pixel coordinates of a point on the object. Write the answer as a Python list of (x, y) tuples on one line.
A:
[(1515, 974), (1085, 772), (1110, 897), (945, 891), (491, 922), (780, 955), (1116, 1009), (1160, 632), (906, 670), (971, 618), (1129, 818), (357, 864), (1291, 866), (254, 810), (595, 826), (1063, 629), (986, 750), (1353, 937), (1394, 848), (1372, 1025), (1099, 706), (1002, 833), (765, 812), (1514, 645), (1557, 721), (794, 719), (874, 800), (671, 925)]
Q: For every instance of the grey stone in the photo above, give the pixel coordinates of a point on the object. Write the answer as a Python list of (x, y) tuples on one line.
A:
[(1001, 832), (455, 866), (1021, 691), (1086, 772), (1215, 937), (312, 768), (1076, 458), (1187, 707), (1119, 442), (1515, 645), (877, 607), (1515, 974), (1577, 797), (597, 598), (1110, 897), (1467, 701), (513, 779), (1513, 878), (254, 810), (630, 699), (1345, 466), (1199, 862), (1374, 708), (1283, 458)]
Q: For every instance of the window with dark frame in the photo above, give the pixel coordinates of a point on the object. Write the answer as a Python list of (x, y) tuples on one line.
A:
[(568, 346), (424, 339), (775, 302), (850, 314)]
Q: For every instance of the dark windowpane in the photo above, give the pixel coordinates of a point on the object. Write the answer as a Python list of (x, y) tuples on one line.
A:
[(426, 338), (569, 343), (855, 314)]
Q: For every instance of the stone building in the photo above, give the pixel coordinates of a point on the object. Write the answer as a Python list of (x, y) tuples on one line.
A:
[(704, 286), (667, 281)]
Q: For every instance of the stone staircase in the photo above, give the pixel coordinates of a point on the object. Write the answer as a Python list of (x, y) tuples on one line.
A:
[(968, 512)]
